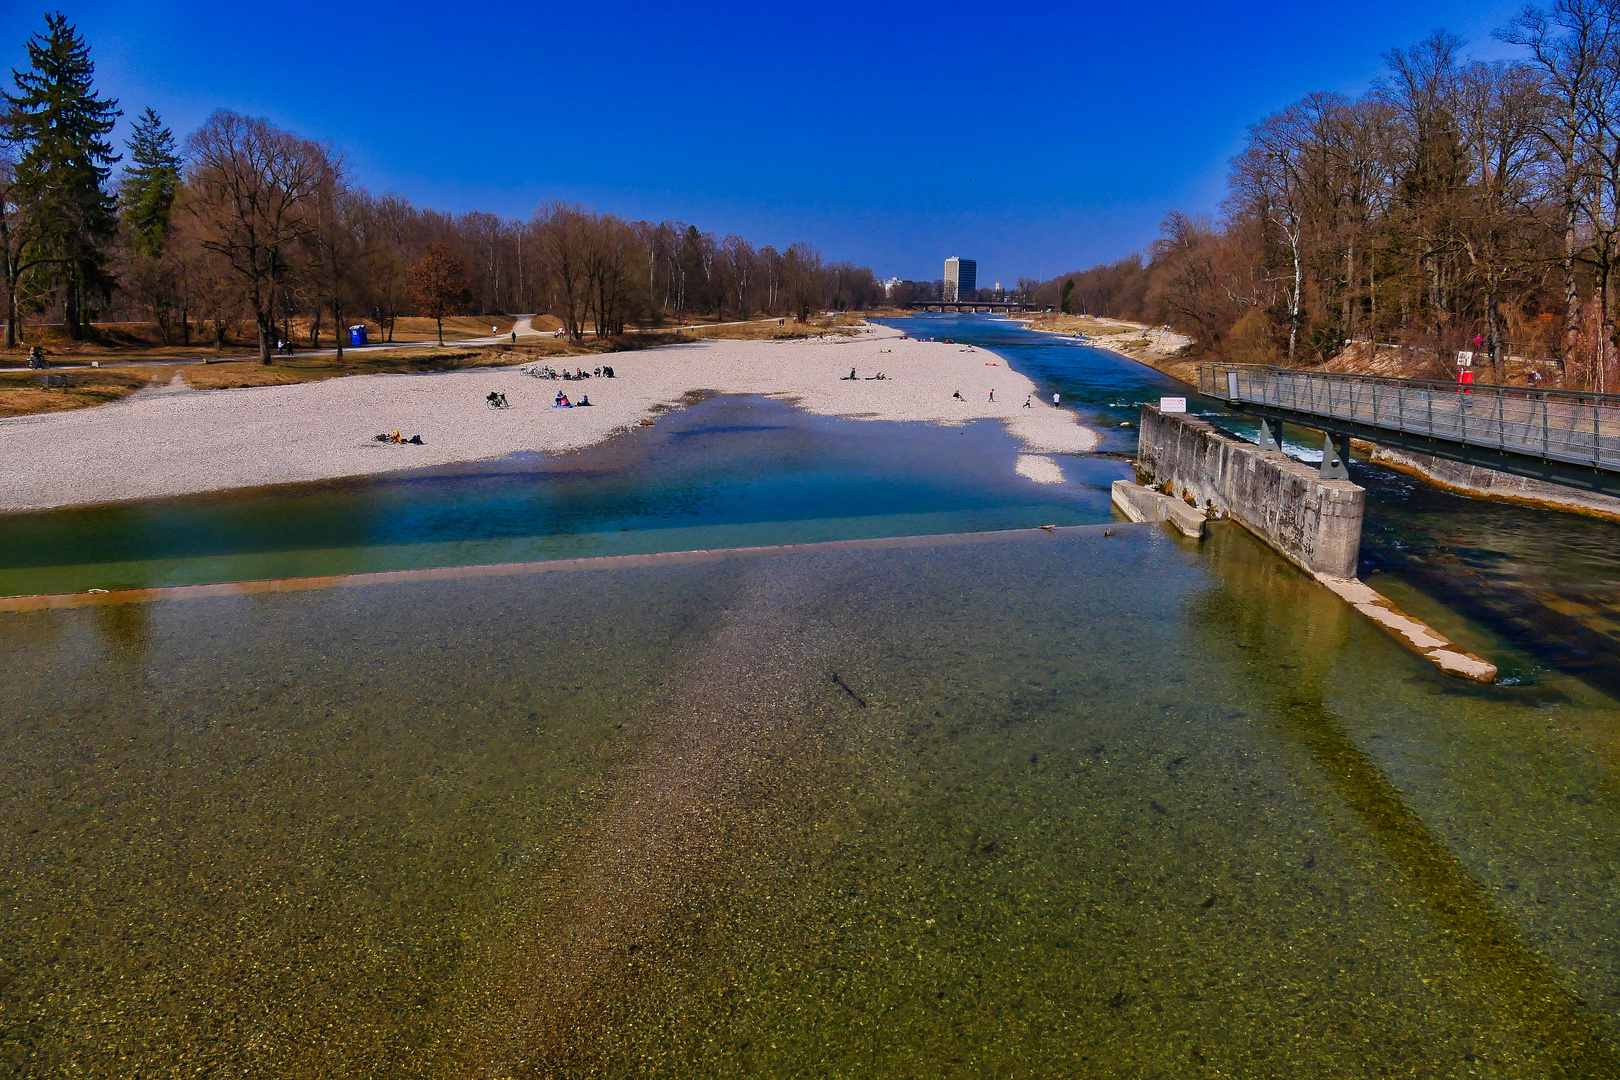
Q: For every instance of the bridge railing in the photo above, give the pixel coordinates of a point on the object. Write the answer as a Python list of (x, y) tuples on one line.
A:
[(1557, 425)]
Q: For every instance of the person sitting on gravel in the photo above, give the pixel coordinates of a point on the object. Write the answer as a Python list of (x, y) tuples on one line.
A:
[(557, 401), (958, 396), (584, 400), (563, 402)]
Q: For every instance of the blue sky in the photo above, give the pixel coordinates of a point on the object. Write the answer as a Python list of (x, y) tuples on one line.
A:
[(1036, 138)]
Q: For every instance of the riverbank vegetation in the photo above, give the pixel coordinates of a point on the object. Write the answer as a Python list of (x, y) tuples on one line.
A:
[(22, 393), (1459, 205), (246, 233)]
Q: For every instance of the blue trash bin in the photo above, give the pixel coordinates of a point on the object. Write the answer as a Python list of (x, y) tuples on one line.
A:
[(357, 335)]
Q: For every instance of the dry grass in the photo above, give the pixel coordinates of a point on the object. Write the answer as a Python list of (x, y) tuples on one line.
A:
[(775, 329), (413, 360), (459, 327), (112, 341), (21, 394), (302, 369), (1079, 324)]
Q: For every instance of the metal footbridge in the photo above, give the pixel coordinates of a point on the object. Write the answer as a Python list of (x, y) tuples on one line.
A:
[(1559, 436)]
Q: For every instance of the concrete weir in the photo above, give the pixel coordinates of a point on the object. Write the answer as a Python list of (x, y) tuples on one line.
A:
[(1312, 522)]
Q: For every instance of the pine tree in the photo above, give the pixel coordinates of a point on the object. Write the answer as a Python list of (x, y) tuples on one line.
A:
[(62, 126), (149, 186)]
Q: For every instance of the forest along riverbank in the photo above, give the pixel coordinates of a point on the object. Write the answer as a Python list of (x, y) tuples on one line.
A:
[(187, 442), (1532, 590)]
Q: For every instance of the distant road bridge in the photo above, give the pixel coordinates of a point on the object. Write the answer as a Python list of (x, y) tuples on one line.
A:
[(1560, 436), (971, 305)]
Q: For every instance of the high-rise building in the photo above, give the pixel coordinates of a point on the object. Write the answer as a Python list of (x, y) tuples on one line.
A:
[(961, 279)]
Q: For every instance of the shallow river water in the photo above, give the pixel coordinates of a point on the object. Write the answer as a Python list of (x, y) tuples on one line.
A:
[(1091, 803)]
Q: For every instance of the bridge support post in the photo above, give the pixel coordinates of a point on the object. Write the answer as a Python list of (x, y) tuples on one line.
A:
[(1335, 457), (1270, 437)]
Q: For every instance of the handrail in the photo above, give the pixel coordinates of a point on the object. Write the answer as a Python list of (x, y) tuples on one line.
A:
[(1575, 427), (1548, 394)]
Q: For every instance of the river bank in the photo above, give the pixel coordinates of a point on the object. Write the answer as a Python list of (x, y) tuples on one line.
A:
[(1162, 350), (181, 441)]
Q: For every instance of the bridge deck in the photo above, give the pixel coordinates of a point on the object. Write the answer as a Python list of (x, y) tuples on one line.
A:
[(1562, 436)]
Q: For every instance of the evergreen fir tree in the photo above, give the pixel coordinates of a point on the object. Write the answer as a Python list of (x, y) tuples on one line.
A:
[(149, 186), (62, 126)]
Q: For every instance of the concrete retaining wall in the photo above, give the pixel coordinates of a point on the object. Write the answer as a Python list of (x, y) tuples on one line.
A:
[(1144, 504), (1315, 523), (1489, 484)]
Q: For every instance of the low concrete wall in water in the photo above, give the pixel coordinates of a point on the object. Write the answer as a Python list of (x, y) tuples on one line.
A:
[(1478, 481), (1315, 523)]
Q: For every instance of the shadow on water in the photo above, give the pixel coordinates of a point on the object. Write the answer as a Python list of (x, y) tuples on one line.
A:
[(1534, 997)]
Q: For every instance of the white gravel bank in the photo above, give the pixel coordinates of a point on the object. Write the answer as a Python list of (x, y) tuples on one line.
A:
[(161, 444)]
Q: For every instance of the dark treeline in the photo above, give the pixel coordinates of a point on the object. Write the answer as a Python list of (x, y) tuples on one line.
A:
[(1459, 204), (247, 225)]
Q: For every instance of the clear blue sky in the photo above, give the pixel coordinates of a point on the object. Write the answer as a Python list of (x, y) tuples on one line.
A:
[(1035, 138)]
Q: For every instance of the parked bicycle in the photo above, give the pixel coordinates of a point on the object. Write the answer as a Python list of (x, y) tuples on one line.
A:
[(496, 400)]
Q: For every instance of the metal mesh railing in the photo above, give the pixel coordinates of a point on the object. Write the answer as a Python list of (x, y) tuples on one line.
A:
[(1555, 425)]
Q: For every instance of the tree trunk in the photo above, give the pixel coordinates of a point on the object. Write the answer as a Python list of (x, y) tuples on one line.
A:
[(1572, 302), (438, 321), (70, 304), (337, 326), (1605, 327), (1493, 325), (1293, 314), (267, 330)]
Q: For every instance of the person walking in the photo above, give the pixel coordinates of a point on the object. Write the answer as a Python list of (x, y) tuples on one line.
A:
[(1054, 399), (992, 395), (1027, 399)]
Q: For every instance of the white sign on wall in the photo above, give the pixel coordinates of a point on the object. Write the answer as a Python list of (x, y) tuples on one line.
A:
[(1465, 359), (1172, 404)]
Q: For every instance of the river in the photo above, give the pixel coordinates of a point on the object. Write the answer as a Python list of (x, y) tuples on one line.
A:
[(1099, 803)]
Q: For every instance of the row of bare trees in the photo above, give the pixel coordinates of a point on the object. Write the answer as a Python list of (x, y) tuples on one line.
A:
[(1459, 204), (249, 224)]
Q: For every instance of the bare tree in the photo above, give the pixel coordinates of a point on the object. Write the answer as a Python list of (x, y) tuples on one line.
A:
[(1500, 110), (562, 230), (252, 186), (334, 241), (1572, 45)]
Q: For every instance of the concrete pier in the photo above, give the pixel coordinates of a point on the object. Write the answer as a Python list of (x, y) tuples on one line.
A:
[(1314, 523)]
